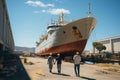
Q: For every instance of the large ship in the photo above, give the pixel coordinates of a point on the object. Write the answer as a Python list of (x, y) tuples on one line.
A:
[(66, 37)]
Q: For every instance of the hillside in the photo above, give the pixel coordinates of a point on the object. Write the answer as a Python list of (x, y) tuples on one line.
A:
[(24, 49)]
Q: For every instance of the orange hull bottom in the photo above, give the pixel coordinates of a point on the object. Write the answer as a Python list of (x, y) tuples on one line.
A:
[(64, 49)]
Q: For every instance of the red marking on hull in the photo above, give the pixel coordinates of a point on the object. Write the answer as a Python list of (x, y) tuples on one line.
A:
[(70, 47)]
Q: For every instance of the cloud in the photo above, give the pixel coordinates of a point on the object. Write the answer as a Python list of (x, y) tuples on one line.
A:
[(36, 12), (53, 11), (58, 1), (38, 3), (57, 11), (44, 11)]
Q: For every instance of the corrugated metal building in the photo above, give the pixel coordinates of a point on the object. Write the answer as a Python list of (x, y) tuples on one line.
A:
[(112, 44), (6, 37)]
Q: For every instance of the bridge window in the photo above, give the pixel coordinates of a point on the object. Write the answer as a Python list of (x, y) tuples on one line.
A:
[(74, 27)]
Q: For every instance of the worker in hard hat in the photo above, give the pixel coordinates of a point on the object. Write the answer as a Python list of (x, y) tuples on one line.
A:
[(50, 62), (77, 60), (59, 62)]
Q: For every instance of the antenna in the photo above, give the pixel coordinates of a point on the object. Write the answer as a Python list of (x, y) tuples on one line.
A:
[(89, 13), (52, 21), (61, 18)]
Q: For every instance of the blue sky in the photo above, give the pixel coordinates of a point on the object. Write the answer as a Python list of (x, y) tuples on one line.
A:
[(29, 18)]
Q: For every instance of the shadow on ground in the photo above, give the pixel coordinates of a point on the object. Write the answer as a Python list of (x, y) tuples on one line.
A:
[(86, 78), (12, 67), (60, 74)]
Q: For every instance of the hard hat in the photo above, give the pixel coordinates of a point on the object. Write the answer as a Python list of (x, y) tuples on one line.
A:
[(77, 52), (51, 53), (58, 54)]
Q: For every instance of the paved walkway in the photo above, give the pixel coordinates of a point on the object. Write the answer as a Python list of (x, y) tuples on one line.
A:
[(39, 71)]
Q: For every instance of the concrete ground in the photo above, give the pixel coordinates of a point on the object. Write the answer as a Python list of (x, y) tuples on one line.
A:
[(39, 71)]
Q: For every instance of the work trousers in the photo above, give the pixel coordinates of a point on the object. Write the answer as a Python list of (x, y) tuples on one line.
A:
[(77, 69), (59, 68)]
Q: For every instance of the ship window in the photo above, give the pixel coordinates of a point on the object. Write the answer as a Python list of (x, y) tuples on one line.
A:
[(64, 32), (54, 26), (51, 31), (74, 27)]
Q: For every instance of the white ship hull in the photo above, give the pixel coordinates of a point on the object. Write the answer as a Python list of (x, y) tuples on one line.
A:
[(69, 38)]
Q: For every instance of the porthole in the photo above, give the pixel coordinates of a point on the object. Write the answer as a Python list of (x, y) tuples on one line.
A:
[(74, 27), (64, 32)]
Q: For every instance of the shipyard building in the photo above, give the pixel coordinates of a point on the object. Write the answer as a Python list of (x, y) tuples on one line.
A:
[(6, 36), (112, 44)]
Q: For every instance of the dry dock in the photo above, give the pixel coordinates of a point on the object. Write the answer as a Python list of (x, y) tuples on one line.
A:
[(39, 71)]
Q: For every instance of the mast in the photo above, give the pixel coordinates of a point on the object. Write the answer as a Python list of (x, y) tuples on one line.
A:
[(61, 18), (89, 13)]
